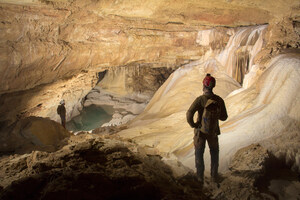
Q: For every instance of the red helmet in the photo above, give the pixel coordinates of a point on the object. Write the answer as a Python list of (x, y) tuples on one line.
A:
[(209, 81)]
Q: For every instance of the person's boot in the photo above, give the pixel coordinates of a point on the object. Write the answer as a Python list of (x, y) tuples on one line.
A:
[(215, 177), (200, 179), (214, 164), (200, 172), (199, 161)]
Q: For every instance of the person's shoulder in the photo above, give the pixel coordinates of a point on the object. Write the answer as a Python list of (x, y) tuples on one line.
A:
[(218, 98), (60, 106), (201, 97)]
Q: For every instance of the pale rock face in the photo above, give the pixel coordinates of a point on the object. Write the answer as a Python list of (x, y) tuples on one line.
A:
[(258, 114), (53, 43), (143, 79), (213, 38), (237, 58), (127, 89)]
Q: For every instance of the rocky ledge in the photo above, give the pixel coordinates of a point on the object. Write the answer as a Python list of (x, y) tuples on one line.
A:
[(103, 166), (92, 167)]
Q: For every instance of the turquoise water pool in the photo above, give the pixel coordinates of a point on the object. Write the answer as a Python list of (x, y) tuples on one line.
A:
[(91, 117)]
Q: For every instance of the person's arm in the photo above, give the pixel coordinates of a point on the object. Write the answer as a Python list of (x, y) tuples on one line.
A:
[(58, 109), (191, 112), (223, 113)]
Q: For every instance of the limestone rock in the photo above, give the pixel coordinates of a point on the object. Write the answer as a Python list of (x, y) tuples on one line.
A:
[(250, 159), (43, 100), (43, 42), (135, 78), (32, 133), (91, 167), (246, 167), (282, 34)]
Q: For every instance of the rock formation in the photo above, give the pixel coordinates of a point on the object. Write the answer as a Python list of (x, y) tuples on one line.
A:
[(101, 166), (44, 42), (93, 167), (257, 113), (32, 133), (57, 49), (127, 89)]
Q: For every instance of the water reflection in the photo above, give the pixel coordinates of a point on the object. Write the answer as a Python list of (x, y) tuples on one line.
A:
[(91, 117)]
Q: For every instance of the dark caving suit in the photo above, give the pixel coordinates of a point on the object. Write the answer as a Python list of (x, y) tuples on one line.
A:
[(201, 138), (61, 110)]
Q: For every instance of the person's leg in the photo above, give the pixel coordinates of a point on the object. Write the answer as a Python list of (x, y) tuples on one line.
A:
[(213, 143), (63, 121), (199, 142)]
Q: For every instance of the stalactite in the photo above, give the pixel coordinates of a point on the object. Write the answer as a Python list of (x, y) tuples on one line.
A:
[(237, 57), (242, 66)]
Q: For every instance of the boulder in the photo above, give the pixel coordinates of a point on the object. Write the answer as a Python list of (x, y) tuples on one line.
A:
[(33, 133), (251, 159)]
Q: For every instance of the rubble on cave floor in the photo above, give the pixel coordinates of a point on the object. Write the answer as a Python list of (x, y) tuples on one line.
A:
[(252, 172), (103, 166), (92, 166)]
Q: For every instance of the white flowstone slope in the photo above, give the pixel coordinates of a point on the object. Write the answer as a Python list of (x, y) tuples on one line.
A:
[(261, 113)]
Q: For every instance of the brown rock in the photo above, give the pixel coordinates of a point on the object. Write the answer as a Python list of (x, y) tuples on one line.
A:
[(33, 133), (92, 168), (251, 159)]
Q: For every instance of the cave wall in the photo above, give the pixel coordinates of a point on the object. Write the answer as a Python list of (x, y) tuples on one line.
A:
[(135, 78), (43, 43), (50, 43)]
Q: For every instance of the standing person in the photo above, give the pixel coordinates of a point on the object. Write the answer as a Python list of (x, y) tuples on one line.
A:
[(211, 108), (61, 110)]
